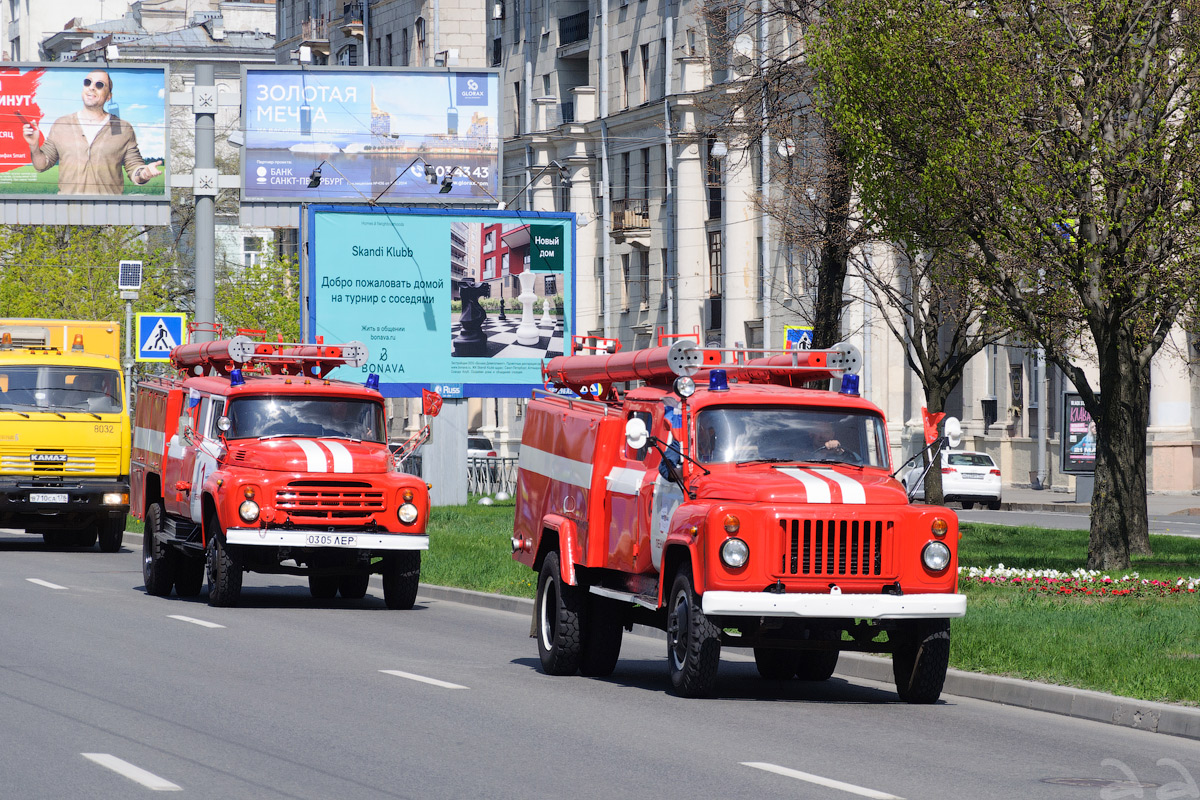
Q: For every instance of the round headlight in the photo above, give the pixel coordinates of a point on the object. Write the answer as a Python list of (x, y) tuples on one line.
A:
[(685, 386), (407, 513), (735, 553), (248, 511), (936, 556), (939, 527)]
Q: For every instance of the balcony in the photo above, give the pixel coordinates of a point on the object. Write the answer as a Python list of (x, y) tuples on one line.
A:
[(314, 33), (352, 19), (630, 214), (573, 33)]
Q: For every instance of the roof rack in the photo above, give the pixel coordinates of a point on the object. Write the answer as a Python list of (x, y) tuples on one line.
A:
[(284, 358)]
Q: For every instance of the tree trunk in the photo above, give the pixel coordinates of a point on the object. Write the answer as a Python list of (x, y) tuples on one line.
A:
[(935, 402), (835, 252), (1119, 519)]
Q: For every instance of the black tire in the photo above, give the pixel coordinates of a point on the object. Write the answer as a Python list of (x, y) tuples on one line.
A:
[(224, 570), (558, 613), (189, 575), (323, 587), (818, 665), (401, 577), (967, 505), (56, 539), (158, 560), (994, 505), (775, 664), (112, 533), (85, 537), (693, 641), (602, 632), (354, 586), (920, 660)]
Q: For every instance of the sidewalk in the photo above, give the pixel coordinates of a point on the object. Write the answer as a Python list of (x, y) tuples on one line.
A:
[(1159, 505)]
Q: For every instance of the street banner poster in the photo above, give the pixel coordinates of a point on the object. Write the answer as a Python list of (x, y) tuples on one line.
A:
[(1078, 437), (442, 297), (798, 337), (83, 130), (384, 135)]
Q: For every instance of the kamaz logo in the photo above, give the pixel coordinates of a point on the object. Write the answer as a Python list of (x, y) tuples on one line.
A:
[(48, 458)]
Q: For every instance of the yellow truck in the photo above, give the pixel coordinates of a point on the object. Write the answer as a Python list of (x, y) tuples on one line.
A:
[(64, 432)]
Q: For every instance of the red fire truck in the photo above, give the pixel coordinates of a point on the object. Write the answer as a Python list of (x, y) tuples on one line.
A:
[(723, 502), (252, 460)]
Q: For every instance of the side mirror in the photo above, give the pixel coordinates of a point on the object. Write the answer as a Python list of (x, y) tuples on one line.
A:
[(953, 431), (636, 434)]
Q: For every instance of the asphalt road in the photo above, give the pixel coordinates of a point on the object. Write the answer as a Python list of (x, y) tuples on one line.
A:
[(106, 692)]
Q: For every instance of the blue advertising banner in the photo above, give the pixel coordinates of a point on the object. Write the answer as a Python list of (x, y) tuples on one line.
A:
[(86, 130), (386, 135), (440, 297)]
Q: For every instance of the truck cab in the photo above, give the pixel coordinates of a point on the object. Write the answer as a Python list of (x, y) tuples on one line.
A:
[(261, 464), (730, 505), (64, 432)]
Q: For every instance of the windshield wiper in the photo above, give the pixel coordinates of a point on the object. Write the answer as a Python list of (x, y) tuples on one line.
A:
[(337, 436), (772, 460), (832, 461), (13, 410)]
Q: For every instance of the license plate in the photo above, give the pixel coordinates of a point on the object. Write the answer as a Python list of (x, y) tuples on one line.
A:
[(971, 477), (47, 497)]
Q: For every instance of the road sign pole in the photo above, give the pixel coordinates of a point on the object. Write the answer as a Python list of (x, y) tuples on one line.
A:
[(129, 356)]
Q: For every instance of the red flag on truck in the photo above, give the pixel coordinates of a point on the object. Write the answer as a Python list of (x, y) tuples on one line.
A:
[(931, 424)]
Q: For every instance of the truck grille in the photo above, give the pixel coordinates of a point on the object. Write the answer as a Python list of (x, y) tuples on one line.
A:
[(329, 500), (80, 461), (833, 547)]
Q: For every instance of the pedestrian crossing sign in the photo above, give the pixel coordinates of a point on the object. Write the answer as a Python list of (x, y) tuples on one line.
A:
[(158, 335)]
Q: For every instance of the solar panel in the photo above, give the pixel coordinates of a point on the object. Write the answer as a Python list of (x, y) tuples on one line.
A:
[(130, 276)]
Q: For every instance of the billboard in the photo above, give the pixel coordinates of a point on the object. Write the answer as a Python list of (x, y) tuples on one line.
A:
[(469, 299), (83, 131), (1078, 436), (373, 133)]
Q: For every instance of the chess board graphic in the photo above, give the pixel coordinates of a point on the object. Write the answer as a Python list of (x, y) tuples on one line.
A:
[(502, 339)]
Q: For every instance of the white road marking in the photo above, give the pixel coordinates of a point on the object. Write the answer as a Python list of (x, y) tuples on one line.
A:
[(817, 779), (422, 679), (194, 621), (134, 773), (47, 584)]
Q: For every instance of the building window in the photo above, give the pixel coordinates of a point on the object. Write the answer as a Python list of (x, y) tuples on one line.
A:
[(758, 270), (645, 54), (715, 282), (662, 295), (517, 109), (419, 35), (601, 289), (252, 251), (713, 183), (625, 193), (625, 267), (348, 56), (489, 268), (387, 56), (497, 51), (646, 176), (624, 79), (404, 47), (644, 276)]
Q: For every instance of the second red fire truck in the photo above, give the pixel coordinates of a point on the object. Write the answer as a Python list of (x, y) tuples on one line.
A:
[(253, 460), (727, 505)]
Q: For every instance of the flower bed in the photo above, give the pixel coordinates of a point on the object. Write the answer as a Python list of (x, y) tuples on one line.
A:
[(1078, 582)]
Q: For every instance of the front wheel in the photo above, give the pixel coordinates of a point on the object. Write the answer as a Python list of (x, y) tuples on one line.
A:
[(354, 587), (920, 660), (158, 563), (224, 569), (693, 641), (559, 615), (112, 532), (401, 577)]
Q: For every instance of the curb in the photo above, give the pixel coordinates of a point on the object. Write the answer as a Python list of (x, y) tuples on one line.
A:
[(1126, 712)]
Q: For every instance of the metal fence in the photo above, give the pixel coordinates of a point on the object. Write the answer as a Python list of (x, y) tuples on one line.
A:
[(491, 475)]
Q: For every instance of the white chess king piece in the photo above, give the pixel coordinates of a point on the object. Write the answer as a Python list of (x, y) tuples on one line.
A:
[(547, 319), (527, 331)]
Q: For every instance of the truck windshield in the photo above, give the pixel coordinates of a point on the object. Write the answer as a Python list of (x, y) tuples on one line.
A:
[(254, 417), (33, 387), (788, 433)]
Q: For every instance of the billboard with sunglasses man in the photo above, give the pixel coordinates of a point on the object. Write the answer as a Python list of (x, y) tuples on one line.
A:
[(83, 131)]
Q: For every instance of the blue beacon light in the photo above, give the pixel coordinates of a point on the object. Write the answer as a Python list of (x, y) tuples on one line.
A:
[(717, 382), (372, 381), (235, 378), (849, 385)]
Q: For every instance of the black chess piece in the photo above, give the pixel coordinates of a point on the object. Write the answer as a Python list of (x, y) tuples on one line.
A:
[(502, 310), (471, 340)]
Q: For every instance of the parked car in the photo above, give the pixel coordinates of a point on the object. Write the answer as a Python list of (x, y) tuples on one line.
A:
[(480, 447), (967, 477)]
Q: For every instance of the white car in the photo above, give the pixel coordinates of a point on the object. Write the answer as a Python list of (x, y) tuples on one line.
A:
[(967, 477), (480, 447)]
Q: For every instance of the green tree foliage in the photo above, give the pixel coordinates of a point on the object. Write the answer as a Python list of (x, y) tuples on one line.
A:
[(265, 296), (1061, 139)]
